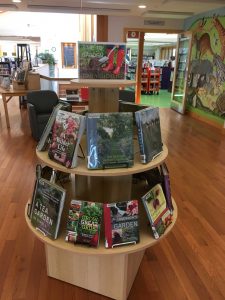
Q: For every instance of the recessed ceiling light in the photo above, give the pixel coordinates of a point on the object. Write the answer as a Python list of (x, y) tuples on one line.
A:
[(142, 6), (16, 1)]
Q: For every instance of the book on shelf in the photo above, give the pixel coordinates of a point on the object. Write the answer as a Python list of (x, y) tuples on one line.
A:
[(166, 186), (46, 207), (84, 222), (47, 133), (73, 95), (149, 133), (110, 140), (157, 211), (121, 223), (66, 135)]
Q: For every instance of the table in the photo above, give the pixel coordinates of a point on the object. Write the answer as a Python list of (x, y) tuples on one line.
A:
[(7, 96)]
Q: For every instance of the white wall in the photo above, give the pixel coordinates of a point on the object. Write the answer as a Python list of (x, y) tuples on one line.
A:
[(117, 24), (52, 28)]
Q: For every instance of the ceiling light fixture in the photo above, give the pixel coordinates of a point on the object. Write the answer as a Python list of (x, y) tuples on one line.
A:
[(16, 1), (142, 6)]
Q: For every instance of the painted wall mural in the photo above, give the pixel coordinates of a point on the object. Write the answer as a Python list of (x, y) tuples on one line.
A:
[(206, 82)]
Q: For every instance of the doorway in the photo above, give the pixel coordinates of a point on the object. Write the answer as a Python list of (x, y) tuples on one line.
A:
[(157, 65)]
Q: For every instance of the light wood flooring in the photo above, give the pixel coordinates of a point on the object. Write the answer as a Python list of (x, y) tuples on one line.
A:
[(188, 264)]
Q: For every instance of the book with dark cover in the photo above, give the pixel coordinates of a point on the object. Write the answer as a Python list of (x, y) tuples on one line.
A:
[(121, 223), (84, 222), (157, 211), (66, 134), (110, 140), (47, 133), (166, 185), (47, 205), (149, 133)]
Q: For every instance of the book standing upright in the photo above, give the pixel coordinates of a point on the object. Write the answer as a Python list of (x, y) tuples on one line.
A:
[(149, 133)]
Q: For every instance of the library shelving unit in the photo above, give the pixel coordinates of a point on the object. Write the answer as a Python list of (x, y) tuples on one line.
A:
[(109, 272), (179, 89), (145, 80), (154, 80)]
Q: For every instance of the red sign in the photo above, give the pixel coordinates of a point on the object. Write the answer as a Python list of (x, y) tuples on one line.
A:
[(133, 34)]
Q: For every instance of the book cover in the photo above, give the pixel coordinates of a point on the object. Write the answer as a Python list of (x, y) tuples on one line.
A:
[(121, 223), (157, 211), (110, 140), (66, 134), (166, 185), (101, 60), (47, 205), (84, 222), (46, 135), (149, 133)]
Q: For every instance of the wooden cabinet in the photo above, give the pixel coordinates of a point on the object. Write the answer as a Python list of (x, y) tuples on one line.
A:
[(109, 272), (179, 88)]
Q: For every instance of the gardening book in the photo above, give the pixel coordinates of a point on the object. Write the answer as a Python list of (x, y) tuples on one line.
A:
[(66, 135), (157, 211), (84, 222), (121, 223), (149, 133), (101, 60), (47, 133), (110, 140), (166, 185), (47, 205)]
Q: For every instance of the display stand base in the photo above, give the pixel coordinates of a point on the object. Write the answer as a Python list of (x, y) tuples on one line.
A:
[(108, 275)]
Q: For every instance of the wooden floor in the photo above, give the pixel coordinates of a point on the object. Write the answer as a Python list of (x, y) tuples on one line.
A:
[(188, 264)]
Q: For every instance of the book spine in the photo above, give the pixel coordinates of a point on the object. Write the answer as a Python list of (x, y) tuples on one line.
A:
[(140, 139), (108, 227), (168, 192)]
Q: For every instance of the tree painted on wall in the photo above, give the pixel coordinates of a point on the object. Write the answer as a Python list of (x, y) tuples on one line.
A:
[(206, 84)]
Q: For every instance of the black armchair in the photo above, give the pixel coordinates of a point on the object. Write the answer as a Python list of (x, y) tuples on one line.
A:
[(40, 105)]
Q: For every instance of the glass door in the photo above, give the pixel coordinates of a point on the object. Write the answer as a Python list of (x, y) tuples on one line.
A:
[(178, 98)]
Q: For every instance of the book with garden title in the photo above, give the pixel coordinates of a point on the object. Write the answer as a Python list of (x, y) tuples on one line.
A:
[(121, 223), (157, 211), (149, 133), (47, 205), (101, 60), (110, 140), (84, 222), (66, 134)]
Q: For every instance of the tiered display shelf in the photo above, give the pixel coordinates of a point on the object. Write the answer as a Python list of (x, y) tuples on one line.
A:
[(109, 272)]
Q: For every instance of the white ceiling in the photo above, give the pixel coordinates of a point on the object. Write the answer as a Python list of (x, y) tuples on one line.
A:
[(176, 9)]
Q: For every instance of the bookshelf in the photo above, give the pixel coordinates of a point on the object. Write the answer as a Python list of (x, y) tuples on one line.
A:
[(178, 97), (109, 272)]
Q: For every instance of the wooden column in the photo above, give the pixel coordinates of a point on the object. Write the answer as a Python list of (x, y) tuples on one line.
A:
[(102, 28), (139, 67)]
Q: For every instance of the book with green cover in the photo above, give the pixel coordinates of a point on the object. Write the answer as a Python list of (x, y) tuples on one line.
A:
[(47, 205), (110, 140), (157, 211), (84, 222), (66, 135)]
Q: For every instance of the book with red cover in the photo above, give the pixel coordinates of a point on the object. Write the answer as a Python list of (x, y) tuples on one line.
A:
[(121, 223)]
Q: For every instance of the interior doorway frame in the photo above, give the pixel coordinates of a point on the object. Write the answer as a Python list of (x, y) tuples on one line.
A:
[(141, 35)]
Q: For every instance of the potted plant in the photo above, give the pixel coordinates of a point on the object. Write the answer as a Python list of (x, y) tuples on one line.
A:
[(47, 58)]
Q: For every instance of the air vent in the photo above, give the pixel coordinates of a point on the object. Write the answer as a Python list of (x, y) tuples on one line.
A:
[(77, 9), (167, 14), (154, 22)]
